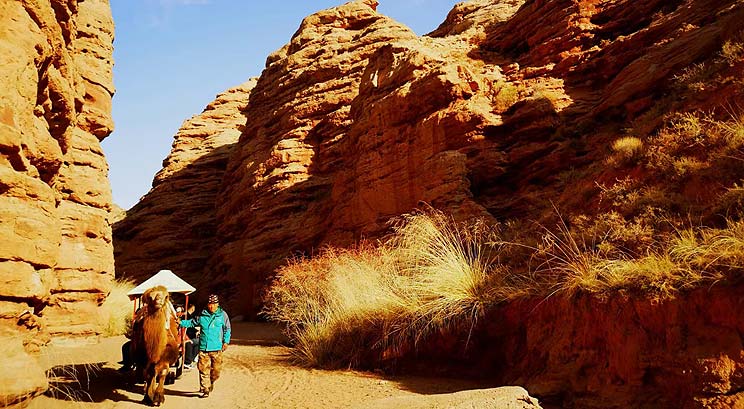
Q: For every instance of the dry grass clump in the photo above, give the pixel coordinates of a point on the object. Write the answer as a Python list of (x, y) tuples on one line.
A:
[(506, 94), (117, 309), (733, 128), (696, 144), (732, 50), (358, 306), (711, 250), (343, 305), (626, 150), (680, 261)]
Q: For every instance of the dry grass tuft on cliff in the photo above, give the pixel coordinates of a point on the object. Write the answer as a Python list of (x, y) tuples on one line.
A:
[(117, 309), (368, 304), (685, 259)]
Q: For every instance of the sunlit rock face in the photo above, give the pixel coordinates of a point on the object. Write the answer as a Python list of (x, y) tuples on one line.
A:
[(508, 110), (357, 120), (56, 256)]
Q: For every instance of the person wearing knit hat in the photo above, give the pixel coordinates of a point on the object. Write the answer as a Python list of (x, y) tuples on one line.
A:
[(215, 336)]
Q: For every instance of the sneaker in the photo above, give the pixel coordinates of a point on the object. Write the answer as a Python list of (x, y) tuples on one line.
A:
[(125, 369), (204, 394), (188, 366)]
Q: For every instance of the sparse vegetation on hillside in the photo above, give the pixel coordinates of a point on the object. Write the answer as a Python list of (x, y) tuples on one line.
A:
[(626, 150), (351, 307), (733, 49), (506, 94)]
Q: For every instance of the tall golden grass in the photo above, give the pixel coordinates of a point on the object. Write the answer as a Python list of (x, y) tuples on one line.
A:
[(350, 307), (116, 311), (343, 305)]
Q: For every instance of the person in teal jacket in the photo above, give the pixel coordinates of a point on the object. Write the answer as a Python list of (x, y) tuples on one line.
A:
[(215, 336)]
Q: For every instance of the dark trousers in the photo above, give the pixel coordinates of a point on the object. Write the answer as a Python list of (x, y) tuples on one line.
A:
[(192, 350), (126, 354)]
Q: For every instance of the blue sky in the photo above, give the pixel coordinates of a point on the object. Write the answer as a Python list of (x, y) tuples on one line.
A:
[(172, 57)]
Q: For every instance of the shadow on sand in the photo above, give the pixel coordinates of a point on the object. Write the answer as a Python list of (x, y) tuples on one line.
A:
[(94, 382)]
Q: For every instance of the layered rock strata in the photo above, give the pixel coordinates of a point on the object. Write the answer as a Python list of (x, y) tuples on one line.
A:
[(350, 89), (616, 352), (503, 112), (56, 256), (174, 226), (292, 182), (357, 120)]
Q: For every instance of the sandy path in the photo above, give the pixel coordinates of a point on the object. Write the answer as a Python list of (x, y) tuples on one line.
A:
[(255, 375)]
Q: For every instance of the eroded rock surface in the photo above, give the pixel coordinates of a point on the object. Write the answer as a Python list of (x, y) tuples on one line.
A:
[(613, 352), (506, 111), (174, 225), (56, 256), (357, 120)]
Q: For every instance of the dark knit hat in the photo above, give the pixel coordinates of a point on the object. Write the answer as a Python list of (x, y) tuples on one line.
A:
[(213, 299)]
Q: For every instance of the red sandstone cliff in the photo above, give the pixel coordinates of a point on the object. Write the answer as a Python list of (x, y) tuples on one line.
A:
[(174, 225), (357, 120), (56, 256), (505, 110)]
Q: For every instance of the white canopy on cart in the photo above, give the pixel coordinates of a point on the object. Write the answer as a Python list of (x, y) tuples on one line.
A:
[(166, 278)]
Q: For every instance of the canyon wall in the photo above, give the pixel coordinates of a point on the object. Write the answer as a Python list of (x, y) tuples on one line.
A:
[(174, 226), (618, 352), (56, 255), (493, 115), (508, 111)]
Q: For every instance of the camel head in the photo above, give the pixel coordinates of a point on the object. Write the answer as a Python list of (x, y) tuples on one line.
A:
[(155, 298)]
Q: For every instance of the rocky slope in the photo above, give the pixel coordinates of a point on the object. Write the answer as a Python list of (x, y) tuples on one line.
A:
[(357, 120), (56, 258), (507, 111)]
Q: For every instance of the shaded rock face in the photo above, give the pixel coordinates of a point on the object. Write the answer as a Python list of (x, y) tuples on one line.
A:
[(358, 120), (56, 258), (617, 352), (175, 224)]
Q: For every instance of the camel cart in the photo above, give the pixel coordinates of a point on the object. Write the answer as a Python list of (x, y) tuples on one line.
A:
[(174, 284)]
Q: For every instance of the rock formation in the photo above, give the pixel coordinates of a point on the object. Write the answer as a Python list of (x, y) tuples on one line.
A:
[(175, 224), (357, 120), (506, 111), (56, 256), (618, 352)]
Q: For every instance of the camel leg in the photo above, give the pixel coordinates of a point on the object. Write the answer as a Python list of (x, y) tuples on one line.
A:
[(148, 382), (161, 376), (151, 384)]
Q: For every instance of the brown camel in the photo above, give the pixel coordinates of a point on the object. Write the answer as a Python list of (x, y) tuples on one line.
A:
[(155, 344)]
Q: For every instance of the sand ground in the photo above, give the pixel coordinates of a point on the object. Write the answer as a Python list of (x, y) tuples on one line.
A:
[(256, 374)]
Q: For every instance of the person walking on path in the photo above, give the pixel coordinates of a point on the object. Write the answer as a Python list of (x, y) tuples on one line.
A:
[(213, 341)]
